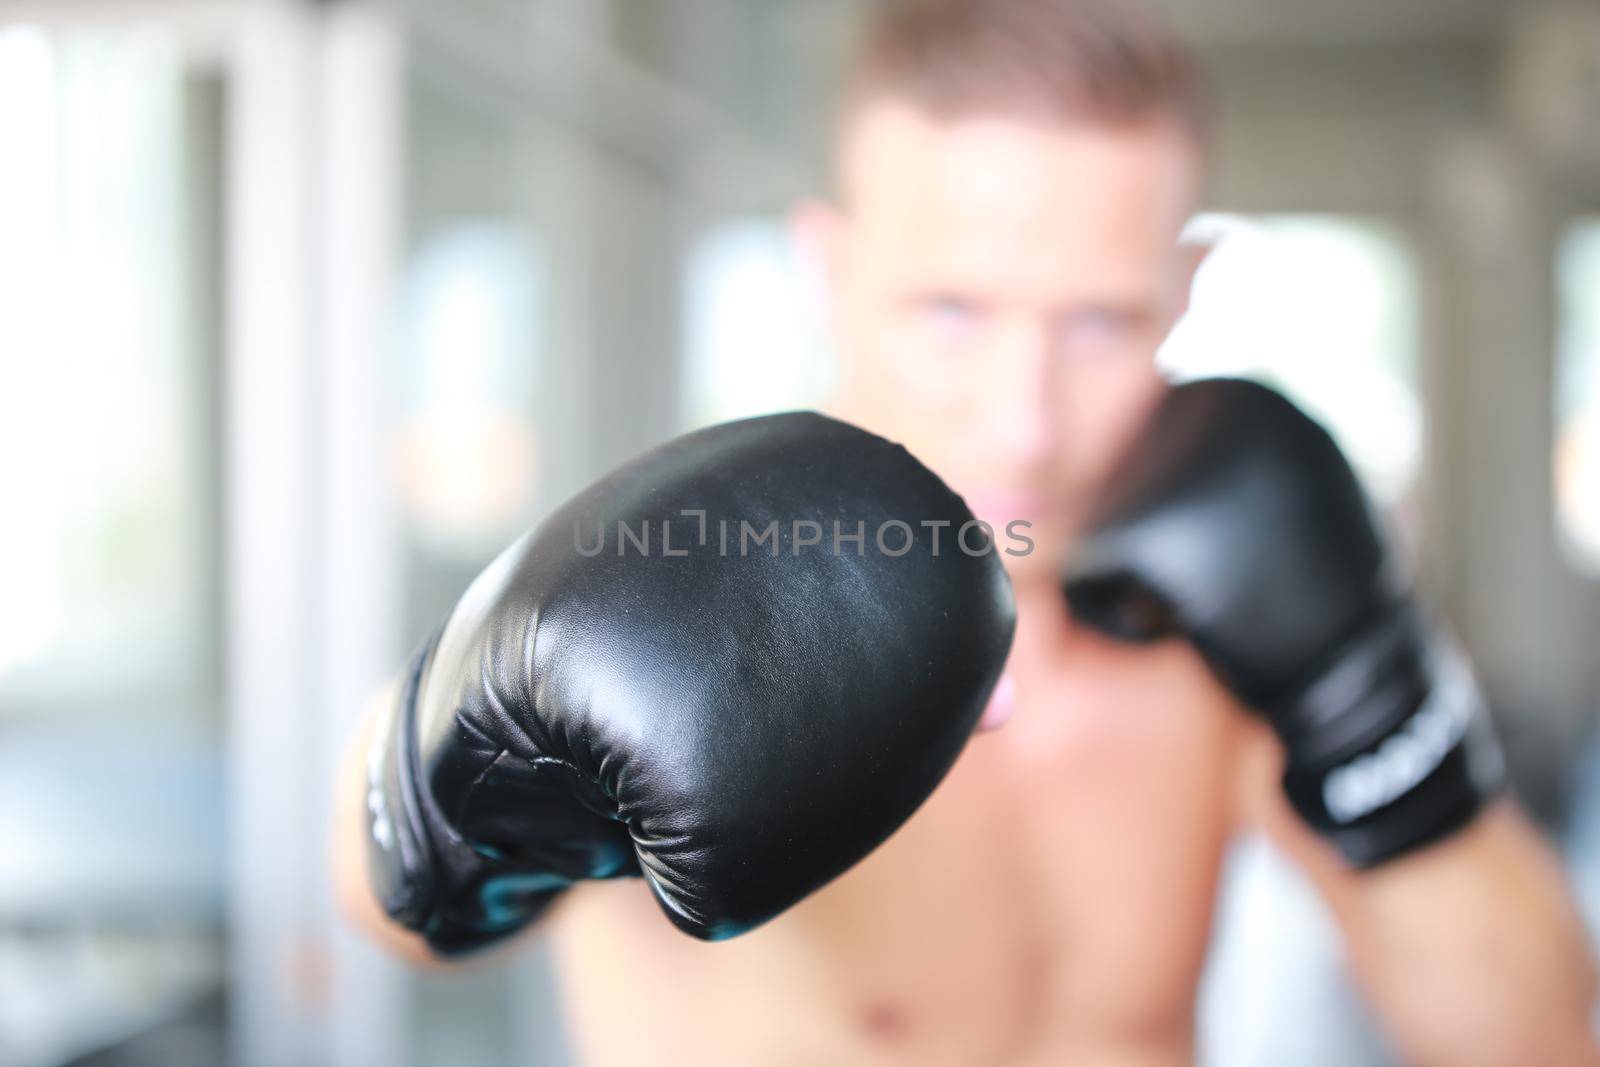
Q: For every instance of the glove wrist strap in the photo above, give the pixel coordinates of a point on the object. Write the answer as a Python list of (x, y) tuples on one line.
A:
[(1391, 748)]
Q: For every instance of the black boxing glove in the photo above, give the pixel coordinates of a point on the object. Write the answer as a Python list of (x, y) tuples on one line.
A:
[(1234, 521), (734, 666)]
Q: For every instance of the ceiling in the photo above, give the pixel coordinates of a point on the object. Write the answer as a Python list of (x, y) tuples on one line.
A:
[(1288, 21), (1330, 21)]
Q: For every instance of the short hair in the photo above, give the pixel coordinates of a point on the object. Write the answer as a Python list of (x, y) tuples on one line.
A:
[(1058, 61)]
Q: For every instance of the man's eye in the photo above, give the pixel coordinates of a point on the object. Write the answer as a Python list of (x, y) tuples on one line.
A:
[(1089, 332), (950, 312)]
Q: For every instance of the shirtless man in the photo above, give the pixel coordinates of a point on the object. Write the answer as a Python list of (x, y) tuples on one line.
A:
[(1003, 259)]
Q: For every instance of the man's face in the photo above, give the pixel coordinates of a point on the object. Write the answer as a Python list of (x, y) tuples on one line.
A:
[(999, 290)]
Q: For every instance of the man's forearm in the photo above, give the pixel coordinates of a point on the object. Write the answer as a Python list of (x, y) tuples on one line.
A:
[(1473, 950)]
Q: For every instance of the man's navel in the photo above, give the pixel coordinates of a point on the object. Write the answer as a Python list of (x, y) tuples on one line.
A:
[(885, 1020)]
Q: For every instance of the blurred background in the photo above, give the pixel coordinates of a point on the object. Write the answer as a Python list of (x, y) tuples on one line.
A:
[(307, 308)]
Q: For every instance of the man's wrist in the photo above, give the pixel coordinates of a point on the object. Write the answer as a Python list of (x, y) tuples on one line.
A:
[(1423, 765)]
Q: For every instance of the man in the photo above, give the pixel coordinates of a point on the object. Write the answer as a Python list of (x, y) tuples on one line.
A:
[(1002, 257)]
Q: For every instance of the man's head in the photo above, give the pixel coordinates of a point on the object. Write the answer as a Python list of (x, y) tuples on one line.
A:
[(1002, 253)]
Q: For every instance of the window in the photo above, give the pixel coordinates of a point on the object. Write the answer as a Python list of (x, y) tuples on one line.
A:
[(1576, 458), (1325, 309), (103, 554), (111, 894), (467, 437), (751, 344)]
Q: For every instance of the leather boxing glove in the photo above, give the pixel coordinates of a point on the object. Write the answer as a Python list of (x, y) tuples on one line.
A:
[(733, 666), (1235, 521)]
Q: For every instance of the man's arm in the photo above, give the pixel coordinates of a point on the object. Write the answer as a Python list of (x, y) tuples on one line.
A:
[(1235, 522), (1471, 949), (715, 725)]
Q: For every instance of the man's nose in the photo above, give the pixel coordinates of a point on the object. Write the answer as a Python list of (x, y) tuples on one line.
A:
[(1021, 422)]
